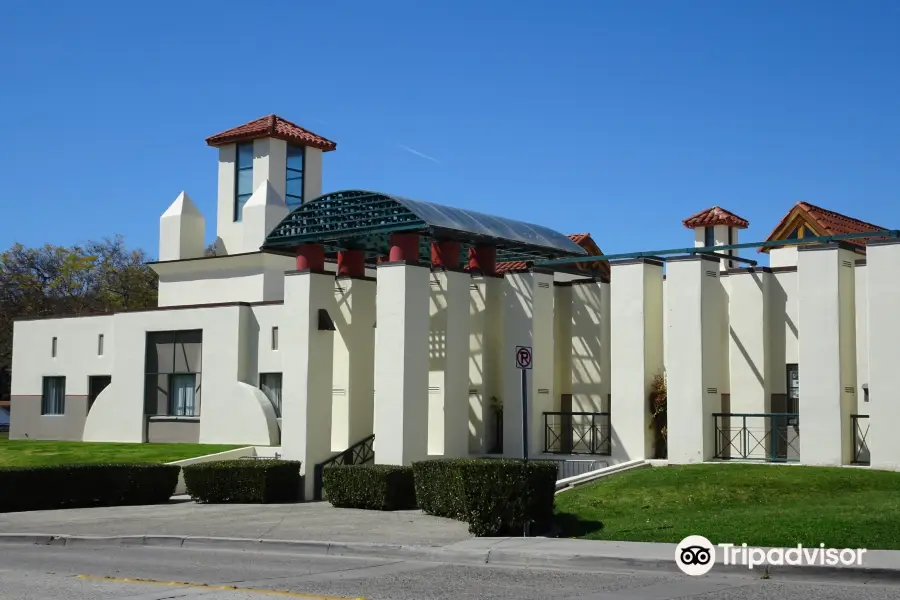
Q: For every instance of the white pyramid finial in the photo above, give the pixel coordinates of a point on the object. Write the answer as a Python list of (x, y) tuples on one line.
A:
[(263, 211), (182, 205), (181, 230)]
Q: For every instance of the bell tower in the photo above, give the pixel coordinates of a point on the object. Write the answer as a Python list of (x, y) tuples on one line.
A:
[(273, 161)]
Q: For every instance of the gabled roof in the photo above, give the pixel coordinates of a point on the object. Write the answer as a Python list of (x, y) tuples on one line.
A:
[(275, 127), (821, 222), (582, 239), (715, 216)]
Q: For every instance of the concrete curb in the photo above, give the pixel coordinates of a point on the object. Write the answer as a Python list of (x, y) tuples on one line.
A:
[(491, 555)]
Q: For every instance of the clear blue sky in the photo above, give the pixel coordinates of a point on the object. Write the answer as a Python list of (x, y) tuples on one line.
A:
[(617, 118)]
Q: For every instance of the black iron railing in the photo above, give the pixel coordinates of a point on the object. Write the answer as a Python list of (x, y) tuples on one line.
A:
[(860, 425), (576, 433), (771, 437), (359, 453)]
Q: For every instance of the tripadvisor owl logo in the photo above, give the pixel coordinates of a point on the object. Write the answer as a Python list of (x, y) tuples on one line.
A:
[(695, 555)]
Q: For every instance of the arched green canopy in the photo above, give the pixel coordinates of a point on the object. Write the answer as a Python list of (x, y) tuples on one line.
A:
[(362, 220)]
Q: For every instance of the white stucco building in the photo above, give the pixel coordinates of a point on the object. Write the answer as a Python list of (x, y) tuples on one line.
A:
[(371, 322)]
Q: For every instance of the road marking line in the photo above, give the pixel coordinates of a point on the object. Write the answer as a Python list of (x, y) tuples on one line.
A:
[(224, 588)]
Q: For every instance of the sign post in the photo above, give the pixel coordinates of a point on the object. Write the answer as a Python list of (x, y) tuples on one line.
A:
[(523, 363)]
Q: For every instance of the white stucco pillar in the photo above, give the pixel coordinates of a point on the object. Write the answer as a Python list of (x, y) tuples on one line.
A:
[(588, 328), (448, 377), (527, 321), (354, 362), (825, 275), (636, 352), (883, 299), (485, 340), (749, 329), (401, 363), (695, 303), (307, 371)]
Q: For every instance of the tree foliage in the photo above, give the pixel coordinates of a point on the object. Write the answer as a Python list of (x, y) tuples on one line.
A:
[(96, 277)]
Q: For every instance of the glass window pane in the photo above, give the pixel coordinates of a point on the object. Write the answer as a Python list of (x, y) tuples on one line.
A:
[(293, 202), (295, 157), (245, 155), (270, 384), (53, 401), (239, 208), (709, 238), (294, 187), (245, 182), (183, 396)]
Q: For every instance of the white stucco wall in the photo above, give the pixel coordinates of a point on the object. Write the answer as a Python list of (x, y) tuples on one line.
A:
[(231, 410), (783, 257), (862, 339), (255, 277), (76, 353)]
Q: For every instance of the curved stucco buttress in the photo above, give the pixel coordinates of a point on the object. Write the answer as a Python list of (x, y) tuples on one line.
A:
[(242, 415), (107, 423)]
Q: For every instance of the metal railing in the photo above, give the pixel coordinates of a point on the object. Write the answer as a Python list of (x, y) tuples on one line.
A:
[(770, 437), (860, 425), (577, 433), (359, 453)]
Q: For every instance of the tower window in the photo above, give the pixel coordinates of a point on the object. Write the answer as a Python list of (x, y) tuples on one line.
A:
[(709, 236), (243, 184), (293, 195)]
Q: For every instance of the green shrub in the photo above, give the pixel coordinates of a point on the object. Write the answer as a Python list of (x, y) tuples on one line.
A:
[(500, 495), (244, 481), (79, 486), (373, 487), (439, 490), (495, 496)]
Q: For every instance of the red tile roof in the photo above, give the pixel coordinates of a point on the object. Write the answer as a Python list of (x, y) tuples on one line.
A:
[(275, 127), (582, 239), (828, 222), (715, 216)]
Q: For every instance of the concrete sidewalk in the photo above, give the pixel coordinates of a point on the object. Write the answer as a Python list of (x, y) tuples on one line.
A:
[(318, 528)]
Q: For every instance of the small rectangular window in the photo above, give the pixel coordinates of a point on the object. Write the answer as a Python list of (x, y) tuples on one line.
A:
[(243, 178), (293, 196), (270, 384), (100, 345), (709, 236), (183, 395), (274, 338), (53, 348), (53, 399)]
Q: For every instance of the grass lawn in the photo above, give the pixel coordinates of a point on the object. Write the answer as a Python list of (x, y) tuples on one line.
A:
[(27, 453), (760, 505)]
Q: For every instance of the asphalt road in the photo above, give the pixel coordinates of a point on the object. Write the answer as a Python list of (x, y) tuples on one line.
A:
[(55, 573)]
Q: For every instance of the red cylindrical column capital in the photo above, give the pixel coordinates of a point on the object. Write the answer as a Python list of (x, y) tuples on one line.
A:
[(445, 255), (351, 263), (404, 246), (310, 257), (483, 259)]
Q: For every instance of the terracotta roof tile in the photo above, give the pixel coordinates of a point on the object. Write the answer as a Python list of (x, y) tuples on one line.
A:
[(829, 222), (715, 216), (582, 239), (275, 127)]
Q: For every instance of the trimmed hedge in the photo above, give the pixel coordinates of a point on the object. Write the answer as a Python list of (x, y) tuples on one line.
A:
[(439, 489), (85, 485), (244, 481), (495, 496), (372, 487)]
